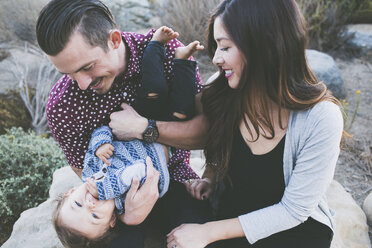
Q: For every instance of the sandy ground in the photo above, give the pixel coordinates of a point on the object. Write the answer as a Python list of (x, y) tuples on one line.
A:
[(354, 167)]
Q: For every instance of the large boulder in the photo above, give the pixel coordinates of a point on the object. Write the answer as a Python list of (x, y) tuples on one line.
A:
[(351, 229), (34, 229), (326, 70), (367, 207), (362, 37)]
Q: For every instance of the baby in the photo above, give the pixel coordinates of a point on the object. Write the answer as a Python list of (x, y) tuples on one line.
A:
[(87, 214)]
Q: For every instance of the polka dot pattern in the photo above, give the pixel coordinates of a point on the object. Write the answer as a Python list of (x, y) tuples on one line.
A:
[(73, 114)]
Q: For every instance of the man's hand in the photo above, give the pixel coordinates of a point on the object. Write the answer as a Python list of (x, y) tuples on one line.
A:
[(127, 124), (104, 152), (139, 202)]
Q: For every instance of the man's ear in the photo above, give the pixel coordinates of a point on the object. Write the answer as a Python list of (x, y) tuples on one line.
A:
[(114, 40), (113, 220)]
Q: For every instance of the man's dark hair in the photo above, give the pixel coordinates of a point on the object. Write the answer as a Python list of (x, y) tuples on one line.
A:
[(59, 19)]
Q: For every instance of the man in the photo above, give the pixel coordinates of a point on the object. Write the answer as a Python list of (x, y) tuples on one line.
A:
[(101, 67)]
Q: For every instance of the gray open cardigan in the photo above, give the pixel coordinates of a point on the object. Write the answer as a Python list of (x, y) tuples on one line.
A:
[(311, 149)]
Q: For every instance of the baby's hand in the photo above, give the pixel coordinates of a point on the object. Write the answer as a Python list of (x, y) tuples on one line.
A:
[(104, 152), (92, 187)]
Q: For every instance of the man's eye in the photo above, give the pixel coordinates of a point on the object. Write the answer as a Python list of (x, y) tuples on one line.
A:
[(95, 216), (88, 68), (77, 204)]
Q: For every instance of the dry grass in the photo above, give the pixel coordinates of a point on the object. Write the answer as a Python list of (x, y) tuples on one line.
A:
[(188, 17)]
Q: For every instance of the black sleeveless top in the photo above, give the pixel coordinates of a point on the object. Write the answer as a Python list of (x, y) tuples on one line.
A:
[(255, 181)]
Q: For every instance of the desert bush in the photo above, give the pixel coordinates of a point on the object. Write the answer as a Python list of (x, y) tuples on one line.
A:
[(363, 14), (27, 163), (13, 113), (18, 19), (188, 17), (327, 22), (34, 85)]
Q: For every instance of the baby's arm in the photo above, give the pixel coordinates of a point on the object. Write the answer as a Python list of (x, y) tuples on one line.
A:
[(92, 187)]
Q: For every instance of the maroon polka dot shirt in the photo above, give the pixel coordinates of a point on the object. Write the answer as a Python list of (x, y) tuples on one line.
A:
[(73, 114)]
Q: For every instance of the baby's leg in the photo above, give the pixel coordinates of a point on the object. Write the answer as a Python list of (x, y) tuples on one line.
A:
[(182, 96), (152, 96), (187, 51), (164, 35)]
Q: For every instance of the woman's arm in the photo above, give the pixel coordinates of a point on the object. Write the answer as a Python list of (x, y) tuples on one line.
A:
[(200, 235)]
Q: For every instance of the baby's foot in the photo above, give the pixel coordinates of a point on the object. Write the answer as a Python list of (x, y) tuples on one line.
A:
[(189, 50), (164, 35)]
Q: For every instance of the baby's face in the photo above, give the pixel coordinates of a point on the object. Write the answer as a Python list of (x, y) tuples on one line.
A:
[(82, 212)]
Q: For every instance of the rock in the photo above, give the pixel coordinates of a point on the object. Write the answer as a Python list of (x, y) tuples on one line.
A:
[(362, 37), (351, 229), (130, 15), (34, 229), (63, 180), (4, 54), (326, 70), (367, 207)]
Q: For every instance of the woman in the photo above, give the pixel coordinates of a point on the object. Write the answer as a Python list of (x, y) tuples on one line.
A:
[(274, 133)]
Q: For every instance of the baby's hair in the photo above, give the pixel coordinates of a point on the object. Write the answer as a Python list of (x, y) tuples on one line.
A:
[(72, 238)]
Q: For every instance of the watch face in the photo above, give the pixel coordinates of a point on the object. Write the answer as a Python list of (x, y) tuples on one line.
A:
[(151, 134)]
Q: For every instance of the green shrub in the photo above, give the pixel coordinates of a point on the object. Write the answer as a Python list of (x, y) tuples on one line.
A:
[(27, 162)]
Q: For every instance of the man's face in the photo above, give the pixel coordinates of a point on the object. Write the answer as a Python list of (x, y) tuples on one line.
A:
[(91, 67)]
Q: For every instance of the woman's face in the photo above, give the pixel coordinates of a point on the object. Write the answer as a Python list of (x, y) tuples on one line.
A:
[(227, 55)]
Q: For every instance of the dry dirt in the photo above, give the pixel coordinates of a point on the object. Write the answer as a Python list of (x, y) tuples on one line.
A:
[(354, 167)]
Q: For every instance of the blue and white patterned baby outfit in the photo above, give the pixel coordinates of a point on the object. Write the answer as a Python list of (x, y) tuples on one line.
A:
[(128, 160)]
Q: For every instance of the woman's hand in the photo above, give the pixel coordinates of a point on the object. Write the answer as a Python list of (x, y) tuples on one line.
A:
[(200, 189), (188, 236), (139, 202)]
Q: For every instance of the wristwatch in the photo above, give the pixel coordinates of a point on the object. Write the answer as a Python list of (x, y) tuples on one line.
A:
[(151, 133)]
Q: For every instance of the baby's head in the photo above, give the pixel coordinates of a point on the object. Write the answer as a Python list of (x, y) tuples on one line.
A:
[(81, 220)]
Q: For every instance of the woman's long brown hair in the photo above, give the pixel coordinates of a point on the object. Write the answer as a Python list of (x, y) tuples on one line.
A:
[(271, 35)]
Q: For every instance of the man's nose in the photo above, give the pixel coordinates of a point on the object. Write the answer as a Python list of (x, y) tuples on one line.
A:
[(83, 80)]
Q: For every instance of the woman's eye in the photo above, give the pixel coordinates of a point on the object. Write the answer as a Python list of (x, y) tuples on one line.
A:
[(77, 204), (224, 49), (94, 216)]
